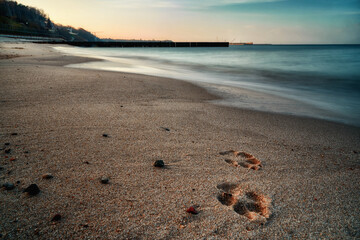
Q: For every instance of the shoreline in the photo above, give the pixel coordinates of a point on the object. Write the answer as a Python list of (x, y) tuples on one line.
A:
[(306, 180), (254, 96)]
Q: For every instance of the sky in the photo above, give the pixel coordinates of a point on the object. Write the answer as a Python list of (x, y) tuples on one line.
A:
[(258, 21)]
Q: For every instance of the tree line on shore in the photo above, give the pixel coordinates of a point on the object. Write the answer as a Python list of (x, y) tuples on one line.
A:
[(18, 19)]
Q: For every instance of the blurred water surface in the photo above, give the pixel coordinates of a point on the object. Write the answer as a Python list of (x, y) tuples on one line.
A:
[(323, 81)]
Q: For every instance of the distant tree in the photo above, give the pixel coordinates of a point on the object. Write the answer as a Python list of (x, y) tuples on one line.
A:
[(49, 24)]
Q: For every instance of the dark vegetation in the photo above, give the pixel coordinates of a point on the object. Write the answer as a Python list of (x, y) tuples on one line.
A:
[(18, 19)]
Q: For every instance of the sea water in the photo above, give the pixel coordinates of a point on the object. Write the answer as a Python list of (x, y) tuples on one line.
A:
[(321, 81)]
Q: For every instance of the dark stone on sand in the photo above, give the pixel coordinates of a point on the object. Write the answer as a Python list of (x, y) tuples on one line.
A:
[(7, 144), (57, 217), (104, 180), (8, 186), (105, 135), (86, 162), (166, 129), (14, 134), (1, 168), (17, 182), (7, 150), (159, 163), (26, 151), (32, 190), (47, 176), (355, 152)]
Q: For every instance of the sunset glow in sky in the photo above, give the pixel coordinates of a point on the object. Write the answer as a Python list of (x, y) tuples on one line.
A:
[(259, 21)]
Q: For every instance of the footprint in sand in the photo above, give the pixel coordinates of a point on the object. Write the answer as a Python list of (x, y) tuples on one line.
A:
[(248, 160), (253, 205)]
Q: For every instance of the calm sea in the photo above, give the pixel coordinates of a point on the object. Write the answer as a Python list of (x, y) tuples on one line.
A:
[(321, 81)]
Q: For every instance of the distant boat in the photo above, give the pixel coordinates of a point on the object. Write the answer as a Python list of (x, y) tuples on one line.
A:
[(242, 43)]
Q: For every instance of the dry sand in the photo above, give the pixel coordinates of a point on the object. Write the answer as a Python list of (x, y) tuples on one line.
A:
[(306, 186)]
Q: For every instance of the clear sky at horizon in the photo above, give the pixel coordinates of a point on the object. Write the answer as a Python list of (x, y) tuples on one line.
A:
[(258, 21)]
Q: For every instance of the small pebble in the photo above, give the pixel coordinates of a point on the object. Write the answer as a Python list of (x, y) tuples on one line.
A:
[(7, 150), (47, 176), (105, 135), (159, 163), (57, 217), (166, 129), (14, 134), (7, 144), (192, 210), (86, 162), (8, 186), (104, 180), (32, 190)]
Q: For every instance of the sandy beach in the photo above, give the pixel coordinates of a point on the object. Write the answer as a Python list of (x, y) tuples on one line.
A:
[(247, 174)]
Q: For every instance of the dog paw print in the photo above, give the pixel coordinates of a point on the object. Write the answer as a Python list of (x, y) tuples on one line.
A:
[(253, 205), (243, 159)]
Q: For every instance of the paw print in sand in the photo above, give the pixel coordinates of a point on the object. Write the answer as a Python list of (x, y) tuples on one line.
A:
[(250, 204), (248, 160)]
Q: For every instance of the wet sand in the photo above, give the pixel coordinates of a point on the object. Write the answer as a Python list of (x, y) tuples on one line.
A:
[(306, 185)]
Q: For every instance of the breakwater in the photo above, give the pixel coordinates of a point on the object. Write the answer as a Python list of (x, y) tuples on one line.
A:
[(145, 44)]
